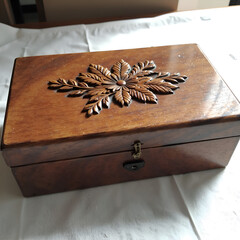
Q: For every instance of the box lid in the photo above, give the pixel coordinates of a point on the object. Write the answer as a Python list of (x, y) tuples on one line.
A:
[(43, 125)]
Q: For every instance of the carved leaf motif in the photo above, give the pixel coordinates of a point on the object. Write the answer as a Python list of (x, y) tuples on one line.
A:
[(174, 78), (144, 80), (113, 88), (97, 91), (90, 78), (96, 105), (100, 71), (65, 85), (106, 101), (142, 69), (122, 96), (76, 93), (143, 94), (120, 70), (72, 82), (82, 84), (160, 89), (65, 88), (122, 82)]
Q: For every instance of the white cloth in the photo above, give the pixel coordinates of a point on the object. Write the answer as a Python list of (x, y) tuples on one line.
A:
[(203, 205)]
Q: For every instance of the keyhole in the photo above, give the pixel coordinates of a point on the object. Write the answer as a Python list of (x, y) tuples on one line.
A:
[(134, 167)]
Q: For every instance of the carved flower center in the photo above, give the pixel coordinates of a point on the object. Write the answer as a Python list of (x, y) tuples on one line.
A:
[(121, 82)]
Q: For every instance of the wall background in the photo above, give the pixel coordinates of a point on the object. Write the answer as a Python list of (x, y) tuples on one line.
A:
[(6, 12), (56, 10), (201, 4), (59, 11)]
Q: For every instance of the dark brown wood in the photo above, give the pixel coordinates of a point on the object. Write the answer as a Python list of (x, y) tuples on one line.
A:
[(48, 151), (45, 178), (41, 126), (83, 21), (41, 11), (17, 11)]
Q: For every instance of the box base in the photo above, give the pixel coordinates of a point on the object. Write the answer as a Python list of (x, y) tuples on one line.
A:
[(85, 172)]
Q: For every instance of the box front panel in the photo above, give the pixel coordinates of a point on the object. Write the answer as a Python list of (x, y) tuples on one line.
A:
[(52, 177)]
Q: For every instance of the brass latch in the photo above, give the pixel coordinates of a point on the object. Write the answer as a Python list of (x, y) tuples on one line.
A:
[(137, 163), (137, 150)]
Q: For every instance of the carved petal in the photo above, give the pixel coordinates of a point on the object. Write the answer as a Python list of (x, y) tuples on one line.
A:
[(120, 70), (67, 85), (174, 78), (164, 74), (113, 87), (65, 88), (143, 94), (106, 101), (147, 65), (100, 71), (122, 97), (142, 68), (90, 78), (96, 106), (97, 91), (144, 79), (147, 73), (162, 83), (160, 89), (72, 82), (76, 93), (92, 108), (63, 85), (53, 86), (62, 81), (133, 80), (82, 84)]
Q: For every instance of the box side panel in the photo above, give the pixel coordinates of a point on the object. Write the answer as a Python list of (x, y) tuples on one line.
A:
[(31, 154), (52, 177)]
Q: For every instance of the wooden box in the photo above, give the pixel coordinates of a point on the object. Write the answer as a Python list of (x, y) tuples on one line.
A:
[(158, 122)]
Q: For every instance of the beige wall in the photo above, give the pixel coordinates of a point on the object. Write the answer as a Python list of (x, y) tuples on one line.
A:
[(201, 4), (56, 10)]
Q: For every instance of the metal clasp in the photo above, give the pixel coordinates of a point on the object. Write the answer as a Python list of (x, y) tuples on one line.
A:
[(137, 163), (137, 150)]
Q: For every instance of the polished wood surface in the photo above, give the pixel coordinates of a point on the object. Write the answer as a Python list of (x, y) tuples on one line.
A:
[(45, 178), (43, 126)]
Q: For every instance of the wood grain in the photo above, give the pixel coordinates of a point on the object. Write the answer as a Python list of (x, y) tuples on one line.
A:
[(45, 178), (41, 126)]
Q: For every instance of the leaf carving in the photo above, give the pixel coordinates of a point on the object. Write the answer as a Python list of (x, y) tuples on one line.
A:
[(96, 105), (123, 97), (143, 94), (97, 91), (142, 69), (76, 93), (63, 85), (173, 78), (120, 70), (90, 78), (100, 71), (121, 82)]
